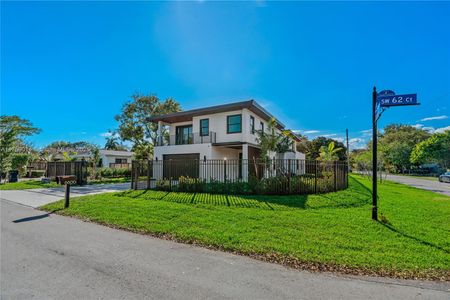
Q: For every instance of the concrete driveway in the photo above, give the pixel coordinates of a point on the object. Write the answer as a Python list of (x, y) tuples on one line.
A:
[(425, 184), (39, 197), (54, 257)]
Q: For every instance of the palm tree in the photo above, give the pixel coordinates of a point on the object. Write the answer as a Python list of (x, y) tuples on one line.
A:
[(274, 141), (329, 153)]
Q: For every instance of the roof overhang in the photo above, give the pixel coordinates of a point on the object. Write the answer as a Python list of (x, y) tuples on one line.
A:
[(187, 115)]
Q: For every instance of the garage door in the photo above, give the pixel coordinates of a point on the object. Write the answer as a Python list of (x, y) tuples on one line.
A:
[(177, 165)]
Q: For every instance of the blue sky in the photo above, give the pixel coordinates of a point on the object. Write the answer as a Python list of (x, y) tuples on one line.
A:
[(69, 66)]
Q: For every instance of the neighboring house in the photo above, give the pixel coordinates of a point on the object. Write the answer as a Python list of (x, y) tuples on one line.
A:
[(108, 158), (222, 132), (116, 159)]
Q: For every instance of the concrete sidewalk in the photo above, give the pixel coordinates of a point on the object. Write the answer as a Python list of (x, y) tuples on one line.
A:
[(39, 197), (47, 256)]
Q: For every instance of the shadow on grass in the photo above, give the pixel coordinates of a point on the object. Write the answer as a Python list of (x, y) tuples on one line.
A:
[(393, 229), (356, 196), (38, 217)]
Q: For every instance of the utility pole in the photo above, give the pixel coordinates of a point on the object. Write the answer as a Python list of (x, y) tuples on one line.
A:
[(374, 155)]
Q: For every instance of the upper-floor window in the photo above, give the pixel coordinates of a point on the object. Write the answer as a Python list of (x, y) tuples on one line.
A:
[(120, 160), (262, 127), (252, 124), (234, 124), (204, 127)]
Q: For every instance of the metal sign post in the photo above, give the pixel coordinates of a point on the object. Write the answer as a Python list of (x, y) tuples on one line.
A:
[(385, 99), (374, 155)]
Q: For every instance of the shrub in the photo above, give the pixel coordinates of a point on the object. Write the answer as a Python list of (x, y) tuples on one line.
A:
[(113, 172), (162, 185), (186, 184), (19, 162)]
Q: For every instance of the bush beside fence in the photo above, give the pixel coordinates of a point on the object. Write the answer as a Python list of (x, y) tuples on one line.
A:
[(241, 176)]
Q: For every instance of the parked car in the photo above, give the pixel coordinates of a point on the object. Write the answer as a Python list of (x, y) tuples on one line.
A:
[(445, 177)]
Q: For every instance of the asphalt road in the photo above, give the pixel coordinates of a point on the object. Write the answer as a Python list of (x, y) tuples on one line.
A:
[(40, 197), (425, 184), (55, 257)]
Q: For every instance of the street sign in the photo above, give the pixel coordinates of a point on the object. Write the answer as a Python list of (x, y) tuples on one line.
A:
[(385, 98), (397, 100), (386, 93)]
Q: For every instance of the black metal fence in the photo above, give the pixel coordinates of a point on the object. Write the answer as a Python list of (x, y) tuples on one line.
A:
[(186, 139), (241, 176)]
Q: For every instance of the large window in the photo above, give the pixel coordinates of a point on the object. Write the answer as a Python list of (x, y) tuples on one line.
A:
[(204, 127), (121, 161), (252, 124), (234, 124), (183, 135), (262, 127)]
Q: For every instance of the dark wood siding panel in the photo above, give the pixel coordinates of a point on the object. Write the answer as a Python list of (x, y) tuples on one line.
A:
[(177, 165)]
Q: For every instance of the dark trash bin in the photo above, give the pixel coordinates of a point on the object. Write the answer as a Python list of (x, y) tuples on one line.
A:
[(13, 176)]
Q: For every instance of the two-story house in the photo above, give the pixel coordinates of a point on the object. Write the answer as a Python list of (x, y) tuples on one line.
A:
[(222, 132)]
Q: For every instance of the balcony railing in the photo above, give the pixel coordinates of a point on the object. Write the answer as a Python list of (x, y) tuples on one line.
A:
[(186, 139)]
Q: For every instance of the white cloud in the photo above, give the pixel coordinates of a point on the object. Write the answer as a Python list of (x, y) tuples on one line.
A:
[(367, 132), (429, 129), (418, 126), (442, 129), (106, 134), (329, 135), (355, 140), (339, 139), (311, 131), (109, 134), (443, 117)]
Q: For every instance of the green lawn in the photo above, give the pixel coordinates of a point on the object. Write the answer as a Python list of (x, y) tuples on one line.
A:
[(326, 232), (26, 185)]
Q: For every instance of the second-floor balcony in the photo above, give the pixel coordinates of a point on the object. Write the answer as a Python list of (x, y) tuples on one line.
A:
[(186, 139)]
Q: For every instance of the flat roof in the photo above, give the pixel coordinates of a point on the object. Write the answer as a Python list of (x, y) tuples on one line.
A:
[(116, 152), (187, 115)]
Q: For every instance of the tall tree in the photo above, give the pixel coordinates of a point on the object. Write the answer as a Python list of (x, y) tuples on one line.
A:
[(434, 149), (314, 146), (113, 142), (12, 129), (273, 140), (302, 146), (330, 152), (134, 125), (397, 143)]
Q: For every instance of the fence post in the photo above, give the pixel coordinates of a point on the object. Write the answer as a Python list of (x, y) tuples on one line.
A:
[(335, 175), (136, 180), (148, 174), (225, 173), (289, 176), (132, 174), (315, 177)]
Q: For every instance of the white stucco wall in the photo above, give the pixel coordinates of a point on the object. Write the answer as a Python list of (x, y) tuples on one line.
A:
[(218, 124), (107, 159)]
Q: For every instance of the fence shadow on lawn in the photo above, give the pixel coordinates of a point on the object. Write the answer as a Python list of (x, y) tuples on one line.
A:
[(393, 229), (356, 196)]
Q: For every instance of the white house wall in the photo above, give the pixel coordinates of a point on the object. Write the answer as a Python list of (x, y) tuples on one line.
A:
[(107, 159), (218, 124)]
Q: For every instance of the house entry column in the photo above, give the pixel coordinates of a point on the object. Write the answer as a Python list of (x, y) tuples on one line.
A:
[(245, 162), (159, 138)]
